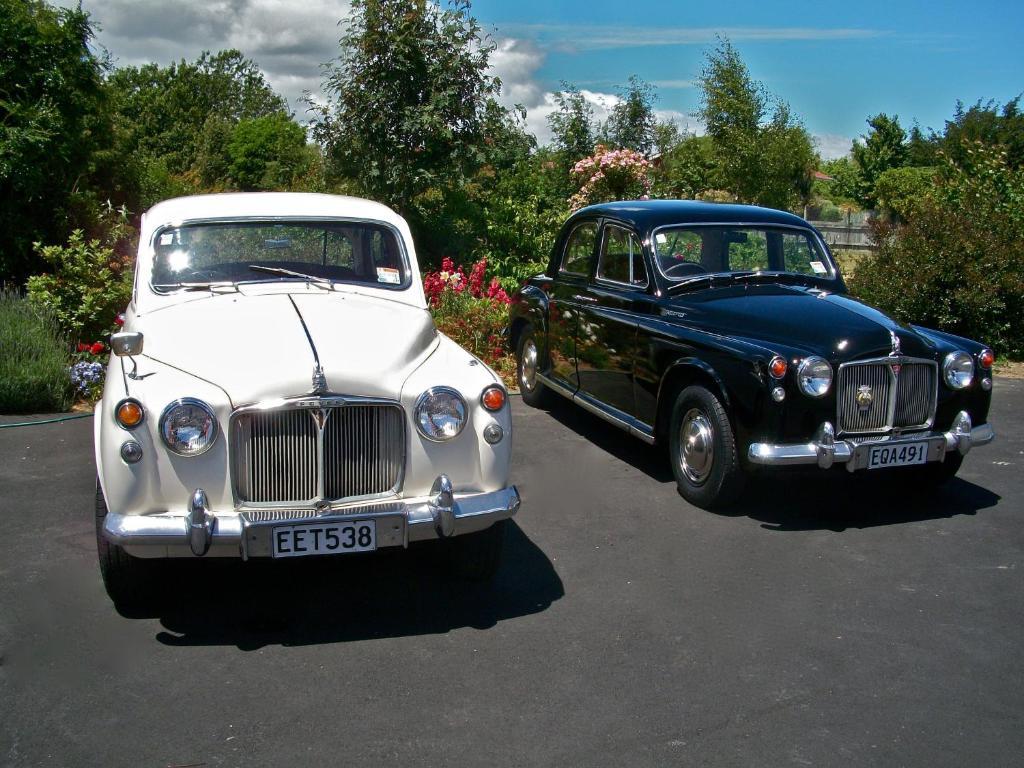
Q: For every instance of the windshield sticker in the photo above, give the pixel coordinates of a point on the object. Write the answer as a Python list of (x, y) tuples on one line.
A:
[(662, 239), (388, 275), (166, 238), (818, 267)]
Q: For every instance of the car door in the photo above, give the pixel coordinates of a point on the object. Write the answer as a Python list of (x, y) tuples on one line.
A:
[(606, 337), (564, 299)]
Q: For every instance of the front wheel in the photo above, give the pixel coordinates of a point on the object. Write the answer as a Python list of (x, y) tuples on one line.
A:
[(531, 388), (130, 581), (703, 451)]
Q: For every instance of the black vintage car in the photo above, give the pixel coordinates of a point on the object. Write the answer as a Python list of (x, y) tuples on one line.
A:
[(726, 333)]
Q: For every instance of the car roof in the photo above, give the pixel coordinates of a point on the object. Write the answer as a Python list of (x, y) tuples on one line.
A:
[(646, 215), (258, 205)]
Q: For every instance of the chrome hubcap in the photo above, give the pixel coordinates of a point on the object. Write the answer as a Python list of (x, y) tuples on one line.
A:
[(528, 367), (696, 446)]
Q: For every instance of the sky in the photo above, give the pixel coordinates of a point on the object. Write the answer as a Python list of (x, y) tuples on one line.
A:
[(835, 64)]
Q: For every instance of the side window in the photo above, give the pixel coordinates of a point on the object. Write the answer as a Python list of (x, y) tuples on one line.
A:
[(622, 258), (579, 248)]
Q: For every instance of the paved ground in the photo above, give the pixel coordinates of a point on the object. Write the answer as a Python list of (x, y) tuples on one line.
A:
[(816, 624)]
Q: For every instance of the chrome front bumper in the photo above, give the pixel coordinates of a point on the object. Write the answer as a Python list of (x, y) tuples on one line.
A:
[(824, 450), (246, 533)]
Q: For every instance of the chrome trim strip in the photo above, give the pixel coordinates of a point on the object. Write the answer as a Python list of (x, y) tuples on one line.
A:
[(613, 416)]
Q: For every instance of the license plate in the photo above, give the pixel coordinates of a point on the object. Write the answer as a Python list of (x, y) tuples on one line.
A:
[(324, 538), (901, 455)]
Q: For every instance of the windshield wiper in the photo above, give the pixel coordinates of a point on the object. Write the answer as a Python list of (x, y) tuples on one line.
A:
[(208, 286), (775, 277), (712, 279), (320, 282)]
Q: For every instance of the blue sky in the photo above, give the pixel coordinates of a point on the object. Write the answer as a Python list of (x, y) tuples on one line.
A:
[(835, 64)]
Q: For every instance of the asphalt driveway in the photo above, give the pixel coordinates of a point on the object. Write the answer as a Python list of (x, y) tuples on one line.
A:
[(817, 623)]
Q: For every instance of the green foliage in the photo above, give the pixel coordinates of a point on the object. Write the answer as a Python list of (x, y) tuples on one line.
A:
[(956, 264), (410, 97), (762, 153), (572, 126), (687, 170), (89, 283), (844, 185), (34, 366), (900, 191), (631, 123), (267, 153), (884, 147), (990, 124), (52, 123)]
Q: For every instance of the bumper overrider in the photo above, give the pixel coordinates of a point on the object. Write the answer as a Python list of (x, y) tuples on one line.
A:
[(247, 532), (825, 450)]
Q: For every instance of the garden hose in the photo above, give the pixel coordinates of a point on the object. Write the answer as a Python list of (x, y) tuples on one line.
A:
[(69, 417)]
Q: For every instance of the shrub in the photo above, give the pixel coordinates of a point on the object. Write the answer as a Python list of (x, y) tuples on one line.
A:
[(619, 174), (34, 365), (472, 315), (90, 281), (956, 264)]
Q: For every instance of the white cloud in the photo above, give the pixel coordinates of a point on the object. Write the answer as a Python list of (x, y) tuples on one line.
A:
[(832, 145), (288, 39)]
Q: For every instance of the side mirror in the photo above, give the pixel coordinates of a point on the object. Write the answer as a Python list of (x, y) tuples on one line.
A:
[(126, 343)]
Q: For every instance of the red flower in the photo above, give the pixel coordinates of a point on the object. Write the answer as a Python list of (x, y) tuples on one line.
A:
[(82, 346), (119, 319), (96, 348)]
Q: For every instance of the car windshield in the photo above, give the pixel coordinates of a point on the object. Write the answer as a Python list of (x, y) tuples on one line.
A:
[(215, 254), (686, 252)]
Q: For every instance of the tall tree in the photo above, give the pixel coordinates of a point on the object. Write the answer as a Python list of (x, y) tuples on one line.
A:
[(884, 147), (762, 152), (52, 122), (409, 98), (991, 125), (572, 125), (631, 124)]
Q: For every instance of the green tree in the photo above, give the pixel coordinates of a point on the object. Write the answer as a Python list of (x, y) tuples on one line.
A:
[(572, 126), (884, 147), (631, 124), (901, 191), (52, 122), (990, 124), (267, 153), (409, 99), (844, 186), (687, 170), (762, 153)]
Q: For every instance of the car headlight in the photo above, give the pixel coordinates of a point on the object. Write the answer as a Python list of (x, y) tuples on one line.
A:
[(814, 376), (958, 370), (188, 427), (440, 413)]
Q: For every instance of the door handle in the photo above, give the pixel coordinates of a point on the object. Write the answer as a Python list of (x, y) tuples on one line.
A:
[(587, 299)]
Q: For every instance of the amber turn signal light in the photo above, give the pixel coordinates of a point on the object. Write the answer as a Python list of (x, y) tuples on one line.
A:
[(986, 358), (777, 367), (129, 413), (493, 398)]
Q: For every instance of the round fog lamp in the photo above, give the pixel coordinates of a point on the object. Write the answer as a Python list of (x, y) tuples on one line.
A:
[(493, 433), (131, 452), (188, 427)]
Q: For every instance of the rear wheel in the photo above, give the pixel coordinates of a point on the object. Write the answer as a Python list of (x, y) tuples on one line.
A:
[(130, 581), (477, 556), (703, 450), (527, 367)]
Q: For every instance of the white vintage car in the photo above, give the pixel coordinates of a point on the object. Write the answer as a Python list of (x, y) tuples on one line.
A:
[(279, 390)]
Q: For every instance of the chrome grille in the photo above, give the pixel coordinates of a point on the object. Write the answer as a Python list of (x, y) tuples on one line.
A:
[(903, 400), (335, 452)]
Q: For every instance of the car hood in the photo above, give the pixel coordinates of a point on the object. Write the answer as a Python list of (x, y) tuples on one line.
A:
[(259, 347), (806, 319)]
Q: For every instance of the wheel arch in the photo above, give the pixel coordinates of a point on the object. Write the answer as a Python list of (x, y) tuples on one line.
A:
[(679, 375)]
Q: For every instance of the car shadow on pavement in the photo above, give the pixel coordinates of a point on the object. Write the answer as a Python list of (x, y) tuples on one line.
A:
[(797, 500), (837, 501), (341, 599)]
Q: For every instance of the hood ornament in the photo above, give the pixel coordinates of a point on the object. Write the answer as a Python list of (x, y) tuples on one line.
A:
[(896, 350), (319, 381)]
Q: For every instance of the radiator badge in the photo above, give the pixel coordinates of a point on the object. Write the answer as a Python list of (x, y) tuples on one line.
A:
[(864, 397)]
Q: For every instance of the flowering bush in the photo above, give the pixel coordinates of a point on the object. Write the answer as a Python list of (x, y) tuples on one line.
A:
[(87, 372), (617, 174), (472, 312)]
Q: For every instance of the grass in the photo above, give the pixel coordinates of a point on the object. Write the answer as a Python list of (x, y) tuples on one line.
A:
[(34, 359)]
